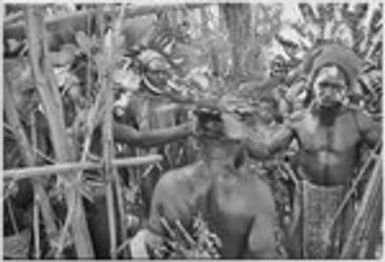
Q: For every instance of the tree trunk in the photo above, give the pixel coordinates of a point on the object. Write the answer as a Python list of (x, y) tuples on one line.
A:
[(238, 19), (214, 59)]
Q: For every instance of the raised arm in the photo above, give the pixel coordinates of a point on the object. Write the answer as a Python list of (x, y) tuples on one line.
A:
[(266, 148), (126, 134)]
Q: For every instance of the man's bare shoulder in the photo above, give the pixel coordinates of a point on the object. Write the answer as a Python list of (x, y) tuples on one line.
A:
[(359, 114), (180, 175)]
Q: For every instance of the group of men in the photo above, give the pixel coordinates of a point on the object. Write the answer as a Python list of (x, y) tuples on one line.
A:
[(328, 134)]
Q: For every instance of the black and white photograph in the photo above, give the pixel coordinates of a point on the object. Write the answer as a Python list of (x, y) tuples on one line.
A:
[(192, 130)]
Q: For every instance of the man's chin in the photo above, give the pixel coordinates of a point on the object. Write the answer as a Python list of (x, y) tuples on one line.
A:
[(330, 104)]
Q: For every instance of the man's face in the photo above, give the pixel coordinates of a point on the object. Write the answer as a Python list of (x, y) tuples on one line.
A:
[(278, 70), (330, 86), (266, 111), (221, 137), (158, 72)]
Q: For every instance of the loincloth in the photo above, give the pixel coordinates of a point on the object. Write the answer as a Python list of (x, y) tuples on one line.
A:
[(317, 208)]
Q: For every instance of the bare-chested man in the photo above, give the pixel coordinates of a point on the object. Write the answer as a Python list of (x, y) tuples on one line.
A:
[(329, 135), (239, 208)]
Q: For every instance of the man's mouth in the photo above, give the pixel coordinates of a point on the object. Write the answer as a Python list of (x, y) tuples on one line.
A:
[(329, 101)]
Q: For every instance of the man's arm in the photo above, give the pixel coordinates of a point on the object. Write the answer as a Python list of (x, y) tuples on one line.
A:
[(263, 149), (370, 130), (126, 134)]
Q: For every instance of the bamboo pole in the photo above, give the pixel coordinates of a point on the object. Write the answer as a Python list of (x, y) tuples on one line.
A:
[(28, 158), (121, 212), (36, 222), (372, 229), (373, 188), (363, 172), (36, 204), (52, 104), (19, 173), (116, 179), (107, 136)]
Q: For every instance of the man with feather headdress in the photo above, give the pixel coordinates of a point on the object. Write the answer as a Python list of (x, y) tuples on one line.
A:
[(329, 134)]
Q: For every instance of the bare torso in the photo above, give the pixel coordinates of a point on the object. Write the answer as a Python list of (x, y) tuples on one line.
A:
[(328, 154), (240, 210)]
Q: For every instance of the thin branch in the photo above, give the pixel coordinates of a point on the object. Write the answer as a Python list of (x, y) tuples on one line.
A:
[(44, 156)]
